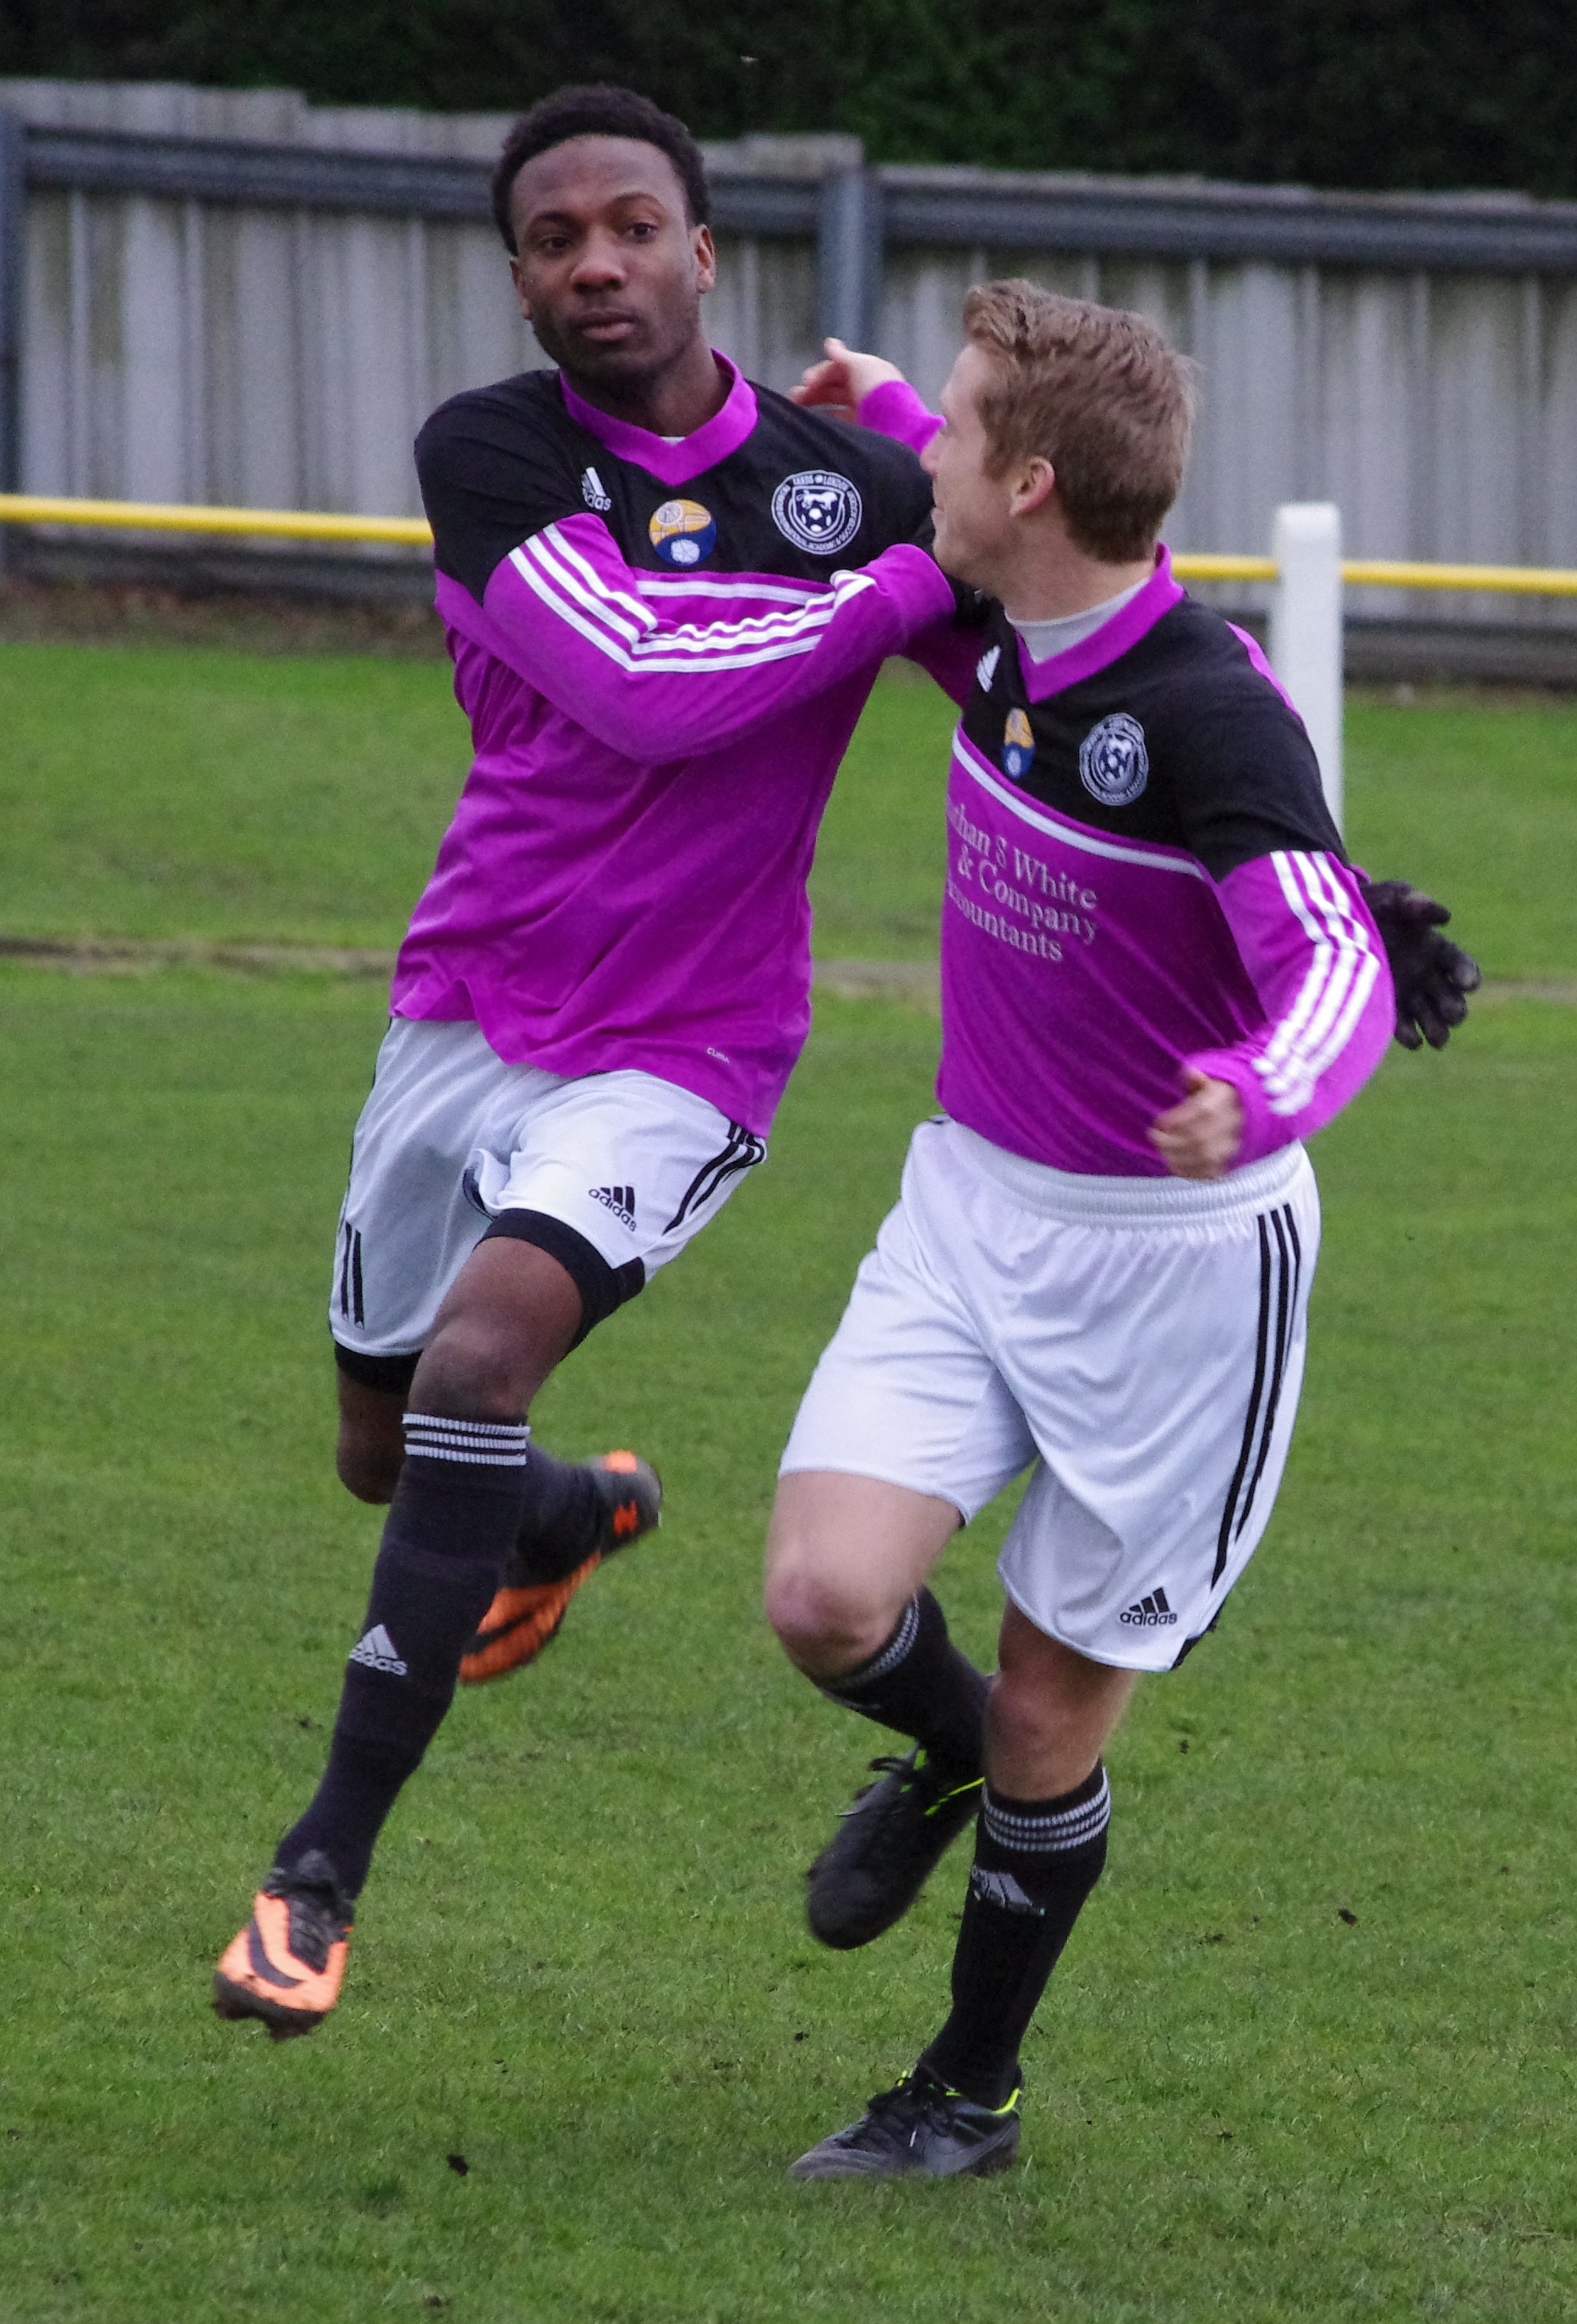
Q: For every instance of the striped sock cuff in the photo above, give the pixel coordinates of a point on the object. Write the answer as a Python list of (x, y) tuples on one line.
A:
[(1052, 1827), (479, 1444), (852, 1685)]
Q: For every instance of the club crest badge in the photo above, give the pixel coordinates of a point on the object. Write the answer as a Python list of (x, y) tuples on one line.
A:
[(1018, 746), (818, 510), (1113, 764), (683, 532)]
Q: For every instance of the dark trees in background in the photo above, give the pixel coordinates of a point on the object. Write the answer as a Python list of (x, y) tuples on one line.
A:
[(1359, 93)]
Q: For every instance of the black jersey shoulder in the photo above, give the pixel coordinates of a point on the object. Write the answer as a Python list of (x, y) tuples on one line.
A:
[(1182, 739), (802, 497), (495, 465)]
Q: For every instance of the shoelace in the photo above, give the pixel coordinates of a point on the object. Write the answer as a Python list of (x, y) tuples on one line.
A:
[(886, 1837), (889, 1764), (320, 1916), (314, 1928), (924, 2100)]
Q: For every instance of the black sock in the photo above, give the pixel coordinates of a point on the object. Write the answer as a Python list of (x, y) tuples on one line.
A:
[(1035, 1863), (563, 1517), (923, 1686), (454, 1514)]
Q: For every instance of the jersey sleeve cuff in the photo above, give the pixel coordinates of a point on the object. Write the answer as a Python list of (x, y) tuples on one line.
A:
[(895, 410)]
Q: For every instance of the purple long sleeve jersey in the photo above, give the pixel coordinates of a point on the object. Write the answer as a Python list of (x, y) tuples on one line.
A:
[(662, 648), (1142, 875)]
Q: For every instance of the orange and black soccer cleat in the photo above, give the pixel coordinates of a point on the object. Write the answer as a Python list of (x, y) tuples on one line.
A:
[(287, 1964), (526, 1614)]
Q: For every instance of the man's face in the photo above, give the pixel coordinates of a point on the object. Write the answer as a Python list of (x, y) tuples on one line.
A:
[(973, 523), (610, 273)]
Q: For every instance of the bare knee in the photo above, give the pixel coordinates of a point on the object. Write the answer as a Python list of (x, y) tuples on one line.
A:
[(511, 1315), (844, 1556), (1031, 1726), (471, 1368), (1049, 1713), (823, 1624)]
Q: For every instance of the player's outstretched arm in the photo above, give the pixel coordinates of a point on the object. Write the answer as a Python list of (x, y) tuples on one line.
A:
[(565, 612), (532, 575), (1319, 969), (1432, 976)]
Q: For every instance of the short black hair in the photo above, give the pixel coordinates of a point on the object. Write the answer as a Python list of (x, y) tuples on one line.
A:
[(597, 109)]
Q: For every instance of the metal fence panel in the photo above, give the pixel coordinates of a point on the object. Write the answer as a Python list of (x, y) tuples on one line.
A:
[(235, 297)]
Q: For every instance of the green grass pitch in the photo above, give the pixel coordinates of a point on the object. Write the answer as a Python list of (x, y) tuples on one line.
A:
[(1311, 2054)]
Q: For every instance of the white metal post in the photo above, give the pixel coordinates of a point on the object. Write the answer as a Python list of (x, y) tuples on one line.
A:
[(1306, 628)]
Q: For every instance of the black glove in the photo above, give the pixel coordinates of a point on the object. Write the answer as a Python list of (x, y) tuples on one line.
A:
[(969, 604), (1432, 976)]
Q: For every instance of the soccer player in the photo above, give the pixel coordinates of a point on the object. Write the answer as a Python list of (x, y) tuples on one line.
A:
[(644, 569), (1159, 975)]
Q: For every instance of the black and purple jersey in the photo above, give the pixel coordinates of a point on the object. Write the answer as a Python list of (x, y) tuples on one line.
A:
[(1142, 875), (662, 647)]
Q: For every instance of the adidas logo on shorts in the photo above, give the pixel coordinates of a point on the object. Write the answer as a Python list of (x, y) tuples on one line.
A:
[(619, 1199), (1151, 1613)]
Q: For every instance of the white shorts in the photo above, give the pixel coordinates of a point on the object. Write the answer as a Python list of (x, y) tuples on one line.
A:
[(1141, 1339), (451, 1136)]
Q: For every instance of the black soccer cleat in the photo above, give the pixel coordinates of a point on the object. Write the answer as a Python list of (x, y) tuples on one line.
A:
[(887, 1846), (919, 2129)]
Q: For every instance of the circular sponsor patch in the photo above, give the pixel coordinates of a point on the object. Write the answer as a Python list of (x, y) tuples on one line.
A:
[(817, 511), (1018, 746), (683, 532), (1113, 764)]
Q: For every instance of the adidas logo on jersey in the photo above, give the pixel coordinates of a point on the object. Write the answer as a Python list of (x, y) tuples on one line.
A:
[(1000, 1889), (619, 1199), (985, 668), (378, 1652), (593, 491), (1151, 1613)]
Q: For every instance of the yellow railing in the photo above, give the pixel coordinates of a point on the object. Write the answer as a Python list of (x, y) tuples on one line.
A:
[(273, 525), (1224, 569), (413, 532), (1394, 573)]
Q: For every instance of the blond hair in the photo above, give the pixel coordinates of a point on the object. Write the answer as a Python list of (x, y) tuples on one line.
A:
[(1098, 393)]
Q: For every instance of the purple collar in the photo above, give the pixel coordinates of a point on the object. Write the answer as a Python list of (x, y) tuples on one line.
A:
[(674, 464), (1113, 638)]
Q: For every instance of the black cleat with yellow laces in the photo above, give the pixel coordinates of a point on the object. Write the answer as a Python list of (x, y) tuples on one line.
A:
[(887, 1846), (919, 2129)]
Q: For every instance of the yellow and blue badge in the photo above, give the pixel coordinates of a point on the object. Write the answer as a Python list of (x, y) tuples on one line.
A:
[(683, 532), (1018, 746)]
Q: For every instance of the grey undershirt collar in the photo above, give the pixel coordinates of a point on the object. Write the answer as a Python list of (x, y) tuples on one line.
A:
[(1044, 639)]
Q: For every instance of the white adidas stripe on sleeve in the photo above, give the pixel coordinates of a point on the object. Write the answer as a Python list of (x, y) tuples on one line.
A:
[(1331, 1000), (630, 634)]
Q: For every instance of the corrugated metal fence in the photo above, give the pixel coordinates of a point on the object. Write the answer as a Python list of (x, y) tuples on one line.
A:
[(238, 298)]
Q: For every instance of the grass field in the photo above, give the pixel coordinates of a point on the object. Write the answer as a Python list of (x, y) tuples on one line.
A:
[(1312, 2054)]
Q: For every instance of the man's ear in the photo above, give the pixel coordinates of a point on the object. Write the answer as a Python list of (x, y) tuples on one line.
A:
[(705, 252), (518, 275), (1032, 486)]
